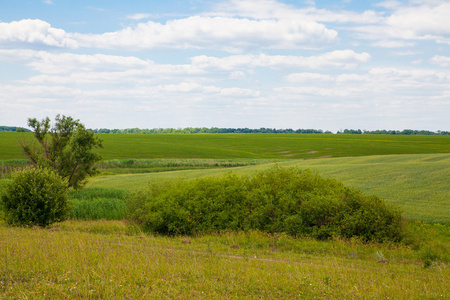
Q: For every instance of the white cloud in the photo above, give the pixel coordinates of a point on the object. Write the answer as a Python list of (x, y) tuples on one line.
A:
[(392, 44), (308, 77), (429, 20), (443, 61), (335, 59), (229, 34), (390, 4), (100, 64), (35, 32), (138, 16), (272, 9)]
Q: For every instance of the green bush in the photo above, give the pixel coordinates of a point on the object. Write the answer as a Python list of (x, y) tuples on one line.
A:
[(297, 202), (35, 197)]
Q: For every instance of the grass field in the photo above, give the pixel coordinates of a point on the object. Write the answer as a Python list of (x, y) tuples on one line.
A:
[(113, 260), (247, 146)]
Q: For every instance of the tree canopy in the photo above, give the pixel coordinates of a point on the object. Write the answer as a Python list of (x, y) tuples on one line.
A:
[(66, 147)]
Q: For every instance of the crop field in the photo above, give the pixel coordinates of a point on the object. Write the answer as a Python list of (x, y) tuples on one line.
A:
[(98, 254), (247, 146)]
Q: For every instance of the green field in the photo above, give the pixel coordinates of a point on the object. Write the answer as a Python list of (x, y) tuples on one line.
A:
[(245, 146), (102, 259)]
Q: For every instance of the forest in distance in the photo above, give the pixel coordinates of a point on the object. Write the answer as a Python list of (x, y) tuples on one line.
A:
[(193, 130)]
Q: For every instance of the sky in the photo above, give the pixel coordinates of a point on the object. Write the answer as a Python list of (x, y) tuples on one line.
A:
[(329, 65)]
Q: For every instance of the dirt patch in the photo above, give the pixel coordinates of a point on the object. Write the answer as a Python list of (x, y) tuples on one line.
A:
[(284, 152), (292, 154), (311, 152), (325, 156), (329, 148)]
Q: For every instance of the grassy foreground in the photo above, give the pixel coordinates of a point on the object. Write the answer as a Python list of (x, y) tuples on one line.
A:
[(110, 259)]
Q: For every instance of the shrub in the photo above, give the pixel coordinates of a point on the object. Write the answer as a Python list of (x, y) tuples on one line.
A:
[(35, 197), (293, 201)]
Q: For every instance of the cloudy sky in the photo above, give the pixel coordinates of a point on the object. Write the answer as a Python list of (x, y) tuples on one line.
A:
[(318, 64)]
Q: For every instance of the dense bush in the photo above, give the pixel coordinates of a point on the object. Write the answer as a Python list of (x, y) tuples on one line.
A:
[(297, 202), (35, 197)]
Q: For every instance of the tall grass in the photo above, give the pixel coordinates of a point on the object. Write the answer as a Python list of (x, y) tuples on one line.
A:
[(97, 209), (129, 166), (98, 203), (109, 259), (9, 166)]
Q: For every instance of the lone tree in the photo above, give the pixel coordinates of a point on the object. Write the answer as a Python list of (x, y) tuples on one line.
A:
[(66, 148)]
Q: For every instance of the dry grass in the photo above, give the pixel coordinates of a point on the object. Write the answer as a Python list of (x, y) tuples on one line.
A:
[(113, 260)]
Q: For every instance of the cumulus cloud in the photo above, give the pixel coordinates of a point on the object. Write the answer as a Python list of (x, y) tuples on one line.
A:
[(377, 82), (443, 61), (222, 33), (64, 63), (335, 59), (35, 32), (427, 20), (272, 9)]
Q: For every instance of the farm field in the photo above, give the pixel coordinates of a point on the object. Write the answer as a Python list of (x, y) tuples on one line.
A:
[(247, 146), (97, 259)]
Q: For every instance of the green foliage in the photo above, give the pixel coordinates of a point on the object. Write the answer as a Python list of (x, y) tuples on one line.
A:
[(297, 202), (35, 197), (66, 147)]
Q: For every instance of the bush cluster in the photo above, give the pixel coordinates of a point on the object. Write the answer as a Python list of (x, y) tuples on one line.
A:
[(35, 196), (297, 202)]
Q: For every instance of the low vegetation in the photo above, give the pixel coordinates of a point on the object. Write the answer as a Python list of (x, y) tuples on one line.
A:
[(292, 201), (132, 166), (35, 197), (113, 259), (98, 204)]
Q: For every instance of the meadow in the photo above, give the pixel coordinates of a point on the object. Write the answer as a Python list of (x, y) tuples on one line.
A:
[(97, 254), (247, 146)]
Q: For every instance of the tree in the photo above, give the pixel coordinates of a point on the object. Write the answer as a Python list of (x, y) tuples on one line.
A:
[(66, 148)]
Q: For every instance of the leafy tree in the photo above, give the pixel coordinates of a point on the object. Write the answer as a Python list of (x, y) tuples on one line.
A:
[(66, 148)]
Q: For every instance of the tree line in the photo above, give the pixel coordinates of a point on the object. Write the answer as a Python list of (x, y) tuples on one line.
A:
[(193, 130), (394, 132), (13, 128)]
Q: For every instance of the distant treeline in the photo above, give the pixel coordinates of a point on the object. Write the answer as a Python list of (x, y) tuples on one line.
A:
[(193, 130), (395, 132), (16, 129)]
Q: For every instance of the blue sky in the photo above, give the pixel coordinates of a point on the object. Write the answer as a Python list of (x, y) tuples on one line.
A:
[(319, 64)]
